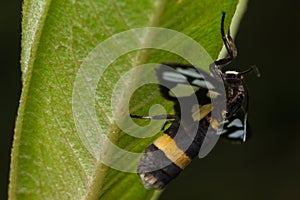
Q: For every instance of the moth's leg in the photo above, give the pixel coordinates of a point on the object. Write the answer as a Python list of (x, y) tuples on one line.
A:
[(245, 127), (170, 118), (158, 117), (230, 47)]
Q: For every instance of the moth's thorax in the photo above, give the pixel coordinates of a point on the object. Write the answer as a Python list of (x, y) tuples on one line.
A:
[(235, 92), (235, 89)]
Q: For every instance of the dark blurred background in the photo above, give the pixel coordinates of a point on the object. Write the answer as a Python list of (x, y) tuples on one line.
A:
[(268, 165), (10, 82)]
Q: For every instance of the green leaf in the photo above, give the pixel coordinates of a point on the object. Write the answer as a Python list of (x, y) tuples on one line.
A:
[(55, 158)]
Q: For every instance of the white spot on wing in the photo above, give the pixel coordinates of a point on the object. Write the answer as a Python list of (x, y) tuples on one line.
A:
[(191, 73), (237, 134), (236, 123), (203, 83), (174, 77)]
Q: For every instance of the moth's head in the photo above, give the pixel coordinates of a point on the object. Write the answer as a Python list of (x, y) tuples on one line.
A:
[(232, 77), (235, 77)]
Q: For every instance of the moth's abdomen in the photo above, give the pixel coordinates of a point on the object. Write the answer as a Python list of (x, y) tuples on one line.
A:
[(164, 160), (153, 159)]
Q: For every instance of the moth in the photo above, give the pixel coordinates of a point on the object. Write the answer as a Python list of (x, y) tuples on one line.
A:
[(170, 151)]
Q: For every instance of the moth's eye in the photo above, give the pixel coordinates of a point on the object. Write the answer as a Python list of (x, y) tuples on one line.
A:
[(231, 76)]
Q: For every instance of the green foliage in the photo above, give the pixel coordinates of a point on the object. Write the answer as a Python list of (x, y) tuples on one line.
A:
[(49, 159)]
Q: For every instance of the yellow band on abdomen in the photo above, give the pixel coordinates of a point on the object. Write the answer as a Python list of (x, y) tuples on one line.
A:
[(166, 144)]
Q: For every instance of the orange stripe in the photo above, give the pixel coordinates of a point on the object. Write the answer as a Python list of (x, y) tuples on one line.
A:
[(166, 144), (199, 112)]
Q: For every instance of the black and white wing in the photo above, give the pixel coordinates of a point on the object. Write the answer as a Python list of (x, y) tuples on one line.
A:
[(172, 74), (236, 128)]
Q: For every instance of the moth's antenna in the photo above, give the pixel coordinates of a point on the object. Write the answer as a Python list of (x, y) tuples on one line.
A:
[(253, 68)]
